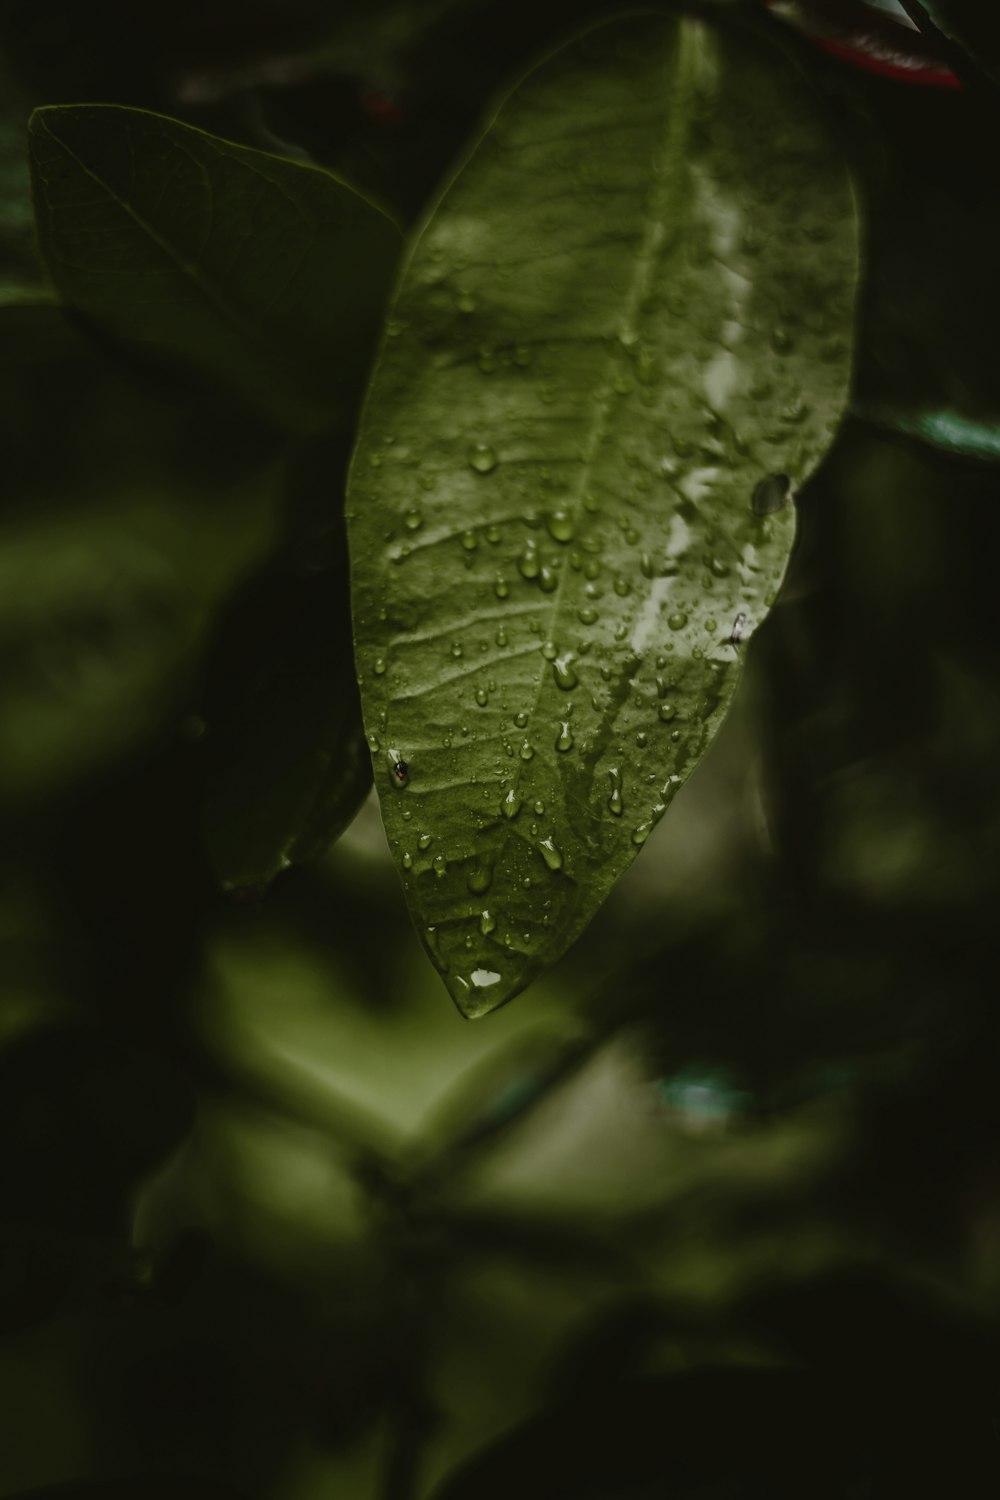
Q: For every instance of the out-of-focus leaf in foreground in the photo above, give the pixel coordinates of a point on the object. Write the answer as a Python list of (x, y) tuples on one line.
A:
[(263, 276), (621, 338)]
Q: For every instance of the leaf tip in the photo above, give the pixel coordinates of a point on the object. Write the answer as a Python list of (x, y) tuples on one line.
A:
[(483, 987)]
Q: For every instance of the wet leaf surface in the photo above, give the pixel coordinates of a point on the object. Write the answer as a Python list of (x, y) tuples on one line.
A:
[(631, 309)]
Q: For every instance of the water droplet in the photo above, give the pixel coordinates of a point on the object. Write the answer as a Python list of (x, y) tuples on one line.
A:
[(379, 666), (771, 494), (527, 750), (407, 861), (527, 564), (539, 807), (413, 519), (641, 739), (641, 834), (781, 340), (587, 615), (480, 879), (483, 458), (470, 541), (487, 361), (562, 670), (456, 648), (551, 853), (501, 587), (465, 302), (487, 923), (482, 697), (548, 581), (667, 712), (565, 737), (719, 567), (501, 636), (439, 865), (375, 460), (711, 626), (511, 804), (493, 533), (561, 525), (677, 620), (425, 840), (550, 650), (615, 803)]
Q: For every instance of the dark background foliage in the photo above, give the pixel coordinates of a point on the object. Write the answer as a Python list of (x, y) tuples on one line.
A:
[(714, 1210)]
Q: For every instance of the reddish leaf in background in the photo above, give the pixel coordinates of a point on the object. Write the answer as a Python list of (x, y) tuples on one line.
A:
[(867, 37)]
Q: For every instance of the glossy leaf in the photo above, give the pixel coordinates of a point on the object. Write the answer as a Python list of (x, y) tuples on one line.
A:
[(263, 276), (621, 339)]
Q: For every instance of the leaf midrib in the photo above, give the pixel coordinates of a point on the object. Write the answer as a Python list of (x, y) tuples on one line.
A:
[(678, 78)]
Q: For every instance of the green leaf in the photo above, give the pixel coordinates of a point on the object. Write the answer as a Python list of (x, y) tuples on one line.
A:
[(629, 312), (264, 276), (290, 766)]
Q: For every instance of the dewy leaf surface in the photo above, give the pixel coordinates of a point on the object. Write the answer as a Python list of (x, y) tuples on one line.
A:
[(264, 276), (629, 312)]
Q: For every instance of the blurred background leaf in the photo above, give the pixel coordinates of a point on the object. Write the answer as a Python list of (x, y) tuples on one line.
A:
[(288, 763), (263, 278)]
